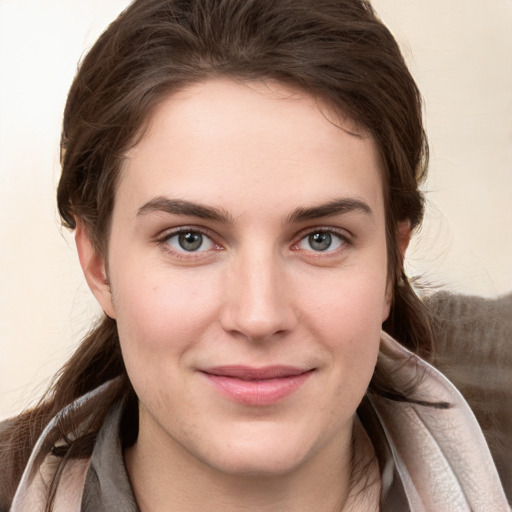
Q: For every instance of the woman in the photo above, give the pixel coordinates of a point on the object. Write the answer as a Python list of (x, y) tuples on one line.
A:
[(242, 177)]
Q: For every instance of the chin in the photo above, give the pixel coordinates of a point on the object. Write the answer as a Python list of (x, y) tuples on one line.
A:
[(255, 463), (261, 452)]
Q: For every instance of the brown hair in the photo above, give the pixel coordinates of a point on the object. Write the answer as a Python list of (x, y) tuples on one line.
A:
[(337, 50)]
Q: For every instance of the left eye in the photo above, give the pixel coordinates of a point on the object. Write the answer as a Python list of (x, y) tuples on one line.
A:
[(321, 241), (190, 241)]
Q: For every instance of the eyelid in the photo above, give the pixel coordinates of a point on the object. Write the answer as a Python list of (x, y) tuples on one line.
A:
[(343, 234), (165, 235)]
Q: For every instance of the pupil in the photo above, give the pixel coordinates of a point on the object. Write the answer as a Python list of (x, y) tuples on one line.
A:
[(320, 241), (190, 241)]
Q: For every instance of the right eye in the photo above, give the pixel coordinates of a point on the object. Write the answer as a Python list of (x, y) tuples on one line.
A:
[(322, 240), (189, 241)]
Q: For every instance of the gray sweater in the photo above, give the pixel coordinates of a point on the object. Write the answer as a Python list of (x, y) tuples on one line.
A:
[(474, 350)]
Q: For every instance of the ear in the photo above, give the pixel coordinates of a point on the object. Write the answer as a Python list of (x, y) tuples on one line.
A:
[(94, 269), (404, 233), (404, 236)]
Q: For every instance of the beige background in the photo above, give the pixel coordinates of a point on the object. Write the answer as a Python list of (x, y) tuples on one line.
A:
[(460, 52)]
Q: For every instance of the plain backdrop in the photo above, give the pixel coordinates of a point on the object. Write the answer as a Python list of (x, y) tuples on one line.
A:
[(460, 52)]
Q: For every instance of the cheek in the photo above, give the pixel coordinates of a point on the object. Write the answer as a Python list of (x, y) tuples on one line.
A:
[(352, 300), (348, 316), (159, 325), (160, 313)]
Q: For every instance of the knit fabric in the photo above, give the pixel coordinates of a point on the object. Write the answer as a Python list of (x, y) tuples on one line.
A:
[(474, 350)]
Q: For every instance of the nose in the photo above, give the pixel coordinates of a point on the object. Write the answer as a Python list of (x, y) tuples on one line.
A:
[(258, 305)]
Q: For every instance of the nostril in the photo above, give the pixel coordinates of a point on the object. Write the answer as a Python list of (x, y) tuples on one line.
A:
[(257, 330)]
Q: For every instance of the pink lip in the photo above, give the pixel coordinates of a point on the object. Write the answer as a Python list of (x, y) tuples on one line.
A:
[(257, 386)]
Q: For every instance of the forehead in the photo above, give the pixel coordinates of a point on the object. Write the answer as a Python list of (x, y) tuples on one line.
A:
[(221, 141)]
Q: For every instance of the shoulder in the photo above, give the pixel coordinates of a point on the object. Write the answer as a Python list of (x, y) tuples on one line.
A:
[(474, 350), (32, 495), (72, 433), (435, 440), (6, 462)]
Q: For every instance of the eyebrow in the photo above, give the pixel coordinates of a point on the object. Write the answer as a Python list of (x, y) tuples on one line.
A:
[(181, 207), (301, 214), (334, 207)]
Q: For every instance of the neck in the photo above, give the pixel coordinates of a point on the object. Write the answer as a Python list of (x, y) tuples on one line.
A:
[(170, 478)]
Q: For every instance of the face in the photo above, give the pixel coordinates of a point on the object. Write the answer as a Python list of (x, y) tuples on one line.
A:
[(247, 265)]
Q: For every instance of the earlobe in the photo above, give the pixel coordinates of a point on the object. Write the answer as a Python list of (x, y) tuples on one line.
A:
[(94, 269), (386, 308)]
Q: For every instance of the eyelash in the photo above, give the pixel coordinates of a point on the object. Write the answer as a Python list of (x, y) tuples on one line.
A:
[(186, 255), (345, 240)]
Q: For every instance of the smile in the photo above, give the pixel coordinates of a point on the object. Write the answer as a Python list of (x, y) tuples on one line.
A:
[(257, 386)]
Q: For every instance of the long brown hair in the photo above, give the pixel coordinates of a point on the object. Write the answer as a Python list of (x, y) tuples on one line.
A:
[(337, 50)]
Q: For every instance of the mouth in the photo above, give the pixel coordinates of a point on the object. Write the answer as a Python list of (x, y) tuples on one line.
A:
[(257, 386)]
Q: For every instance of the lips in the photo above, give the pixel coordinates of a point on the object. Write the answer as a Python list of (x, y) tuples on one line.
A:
[(257, 386)]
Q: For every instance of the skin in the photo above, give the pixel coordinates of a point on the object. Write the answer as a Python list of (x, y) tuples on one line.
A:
[(256, 293)]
